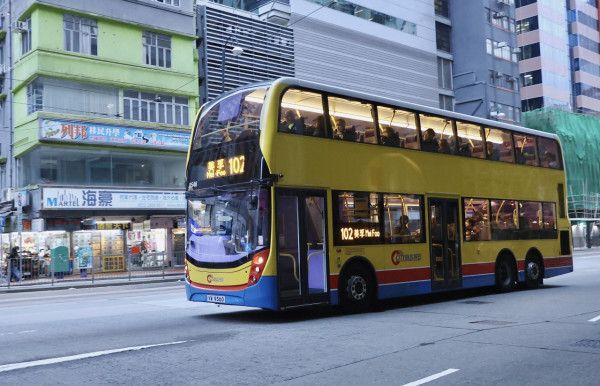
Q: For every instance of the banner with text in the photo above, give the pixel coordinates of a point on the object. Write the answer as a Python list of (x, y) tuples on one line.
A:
[(113, 135), (67, 198)]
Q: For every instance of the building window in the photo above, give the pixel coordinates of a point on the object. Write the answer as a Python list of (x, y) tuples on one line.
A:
[(26, 36), (488, 46), (446, 102), (526, 25), (81, 34), (441, 8), (522, 3), (530, 78), (442, 37), (445, 73), (157, 49), (529, 51), (159, 108), (532, 104), (73, 98), (174, 3)]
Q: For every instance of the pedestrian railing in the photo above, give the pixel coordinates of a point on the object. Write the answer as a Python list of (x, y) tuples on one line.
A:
[(131, 266)]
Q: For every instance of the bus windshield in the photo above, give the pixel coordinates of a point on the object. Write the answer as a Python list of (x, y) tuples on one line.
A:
[(235, 117), (226, 228)]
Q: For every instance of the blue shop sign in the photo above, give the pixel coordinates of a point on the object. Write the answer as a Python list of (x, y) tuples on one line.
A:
[(93, 133)]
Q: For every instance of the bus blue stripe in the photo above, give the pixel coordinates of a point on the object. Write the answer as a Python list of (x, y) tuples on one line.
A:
[(262, 294)]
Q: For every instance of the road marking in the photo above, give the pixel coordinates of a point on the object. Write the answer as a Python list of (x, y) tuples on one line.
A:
[(49, 361), (597, 318), (18, 332), (431, 377)]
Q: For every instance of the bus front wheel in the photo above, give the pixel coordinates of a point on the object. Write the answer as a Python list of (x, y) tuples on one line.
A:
[(357, 290), (506, 278)]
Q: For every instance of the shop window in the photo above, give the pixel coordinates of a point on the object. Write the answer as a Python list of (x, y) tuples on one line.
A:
[(469, 140), (499, 145), (397, 127), (353, 120), (402, 216), (549, 154), (504, 219), (357, 218), (300, 113), (477, 219), (437, 134), (525, 150)]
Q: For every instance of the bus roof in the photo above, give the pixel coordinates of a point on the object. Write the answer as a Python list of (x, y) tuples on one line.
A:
[(406, 105)]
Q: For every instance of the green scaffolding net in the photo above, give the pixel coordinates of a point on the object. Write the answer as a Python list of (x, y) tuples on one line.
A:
[(580, 137)]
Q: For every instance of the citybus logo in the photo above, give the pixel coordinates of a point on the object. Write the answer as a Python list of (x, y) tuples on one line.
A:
[(211, 278), (398, 256)]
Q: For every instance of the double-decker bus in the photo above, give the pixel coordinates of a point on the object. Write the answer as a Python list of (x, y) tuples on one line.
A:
[(300, 193)]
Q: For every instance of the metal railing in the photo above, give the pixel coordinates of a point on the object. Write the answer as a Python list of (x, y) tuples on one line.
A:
[(130, 266)]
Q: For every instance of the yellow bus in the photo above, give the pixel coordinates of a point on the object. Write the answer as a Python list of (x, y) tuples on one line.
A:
[(300, 193)]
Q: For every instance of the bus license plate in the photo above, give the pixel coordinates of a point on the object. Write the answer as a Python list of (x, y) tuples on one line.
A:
[(215, 299)]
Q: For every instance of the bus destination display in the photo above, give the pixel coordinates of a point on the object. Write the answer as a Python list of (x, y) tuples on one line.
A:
[(225, 167)]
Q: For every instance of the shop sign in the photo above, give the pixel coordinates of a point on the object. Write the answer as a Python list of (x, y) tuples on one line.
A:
[(57, 198), (93, 133), (84, 256), (22, 199), (37, 225), (26, 225), (112, 225), (63, 224)]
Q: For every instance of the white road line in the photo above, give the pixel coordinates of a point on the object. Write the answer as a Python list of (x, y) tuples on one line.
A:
[(431, 377), (597, 318), (18, 332), (49, 361)]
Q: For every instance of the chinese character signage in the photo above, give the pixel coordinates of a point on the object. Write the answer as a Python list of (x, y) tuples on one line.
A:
[(84, 198), (113, 135)]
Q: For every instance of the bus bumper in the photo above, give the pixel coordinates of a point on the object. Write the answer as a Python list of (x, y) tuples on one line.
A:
[(262, 294)]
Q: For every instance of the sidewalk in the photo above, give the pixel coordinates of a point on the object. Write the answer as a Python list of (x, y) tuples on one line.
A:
[(97, 280)]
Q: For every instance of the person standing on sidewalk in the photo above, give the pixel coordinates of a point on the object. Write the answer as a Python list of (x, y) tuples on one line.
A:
[(13, 259)]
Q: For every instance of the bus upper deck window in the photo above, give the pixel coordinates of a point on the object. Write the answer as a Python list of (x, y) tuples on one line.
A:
[(352, 120), (302, 113), (397, 128), (437, 135), (469, 141), (525, 149), (549, 155), (501, 148)]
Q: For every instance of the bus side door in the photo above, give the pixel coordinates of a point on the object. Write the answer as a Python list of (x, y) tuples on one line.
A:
[(302, 267), (444, 243)]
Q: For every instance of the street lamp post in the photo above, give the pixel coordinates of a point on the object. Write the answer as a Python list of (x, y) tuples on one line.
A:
[(236, 51)]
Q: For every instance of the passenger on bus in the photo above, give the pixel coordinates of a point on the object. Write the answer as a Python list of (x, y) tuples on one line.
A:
[(471, 230), (463, 148), (319, 128), (340, 127), (491, 152), (390, 137), (444, 147), (429, 142), (289, 122), (401, 233)]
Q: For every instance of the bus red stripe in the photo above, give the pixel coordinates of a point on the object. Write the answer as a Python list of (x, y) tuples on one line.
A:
[(560, 261), (404, 275), (478, 269)]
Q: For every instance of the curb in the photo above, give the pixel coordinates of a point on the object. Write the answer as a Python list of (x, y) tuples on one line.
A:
[(63, 286)]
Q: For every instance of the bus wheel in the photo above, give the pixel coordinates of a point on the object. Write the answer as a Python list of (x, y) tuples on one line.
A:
[(356, 290), (505, 275), (533, 272)]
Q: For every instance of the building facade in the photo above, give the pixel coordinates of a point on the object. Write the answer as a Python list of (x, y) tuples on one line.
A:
[(99, 105), (484, 47)]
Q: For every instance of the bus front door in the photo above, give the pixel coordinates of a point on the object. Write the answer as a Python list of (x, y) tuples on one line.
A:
[(444, 243), (302, 268)]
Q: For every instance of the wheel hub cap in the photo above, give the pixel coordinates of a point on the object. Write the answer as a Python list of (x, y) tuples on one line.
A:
[(357, 288)]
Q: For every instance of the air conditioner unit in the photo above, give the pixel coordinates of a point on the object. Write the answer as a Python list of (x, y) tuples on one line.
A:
[(7, 194), (20, 27), (502, 44), (499, 15), (504, 2), (499, 75), (516, 50)]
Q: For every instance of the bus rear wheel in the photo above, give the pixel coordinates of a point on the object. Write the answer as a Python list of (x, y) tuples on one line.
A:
[(506, 278), (533, 273), (357, 290)]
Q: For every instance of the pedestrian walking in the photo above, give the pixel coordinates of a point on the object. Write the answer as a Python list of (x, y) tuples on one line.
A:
[(13, 260)]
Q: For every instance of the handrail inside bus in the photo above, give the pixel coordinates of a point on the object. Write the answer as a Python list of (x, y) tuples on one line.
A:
[(293, 261)]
